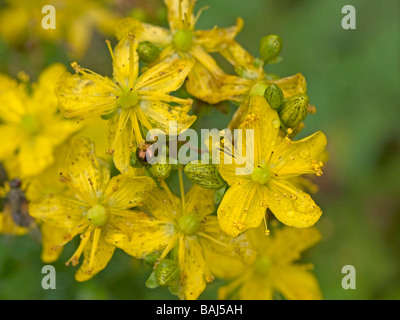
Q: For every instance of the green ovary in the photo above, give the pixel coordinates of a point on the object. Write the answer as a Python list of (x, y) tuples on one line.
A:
[(98, 215), (261, 174), (189, 224), (127, 99), (183, 39)]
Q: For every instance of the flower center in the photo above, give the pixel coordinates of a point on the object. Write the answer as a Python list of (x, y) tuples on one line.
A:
[(189, 224), (261, 174), (98, 215), (183, 39), (262, 265), (29, 123), (127, 99)]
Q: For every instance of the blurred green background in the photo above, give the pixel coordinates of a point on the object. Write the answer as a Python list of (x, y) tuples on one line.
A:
[(353, 80)]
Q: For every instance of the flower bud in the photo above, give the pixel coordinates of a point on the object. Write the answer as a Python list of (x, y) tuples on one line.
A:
[(161, 169), (294, 110), (274, 96), (167, 272), (205, 175), (148, 52), (270, 47)]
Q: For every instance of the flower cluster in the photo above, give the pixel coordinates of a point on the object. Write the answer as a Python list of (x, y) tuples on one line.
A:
[(59, 183)]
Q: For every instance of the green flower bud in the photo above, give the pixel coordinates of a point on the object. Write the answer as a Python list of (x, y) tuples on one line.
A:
[(205, 175), (294, 110), (270, 47), (274, 96), (167, 272), (148, 52), (161, 170)]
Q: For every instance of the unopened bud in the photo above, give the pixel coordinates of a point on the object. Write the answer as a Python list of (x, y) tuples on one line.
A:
[(148, 52), (270, 47), (274, 96), (294, 110), (161, 169), (205, 175), (167, 272)]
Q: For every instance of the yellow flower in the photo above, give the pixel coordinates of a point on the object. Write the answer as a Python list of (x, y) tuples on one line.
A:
[(274, 270), (188, 227), (133, 103), (95, 206), (260, 179), (183, 41), (30, 125), (75, 22)]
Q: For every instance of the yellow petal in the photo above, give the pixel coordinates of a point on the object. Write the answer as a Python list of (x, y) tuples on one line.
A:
[(247, 288), (295, 283), (217, 38), (286, 244), (292, 85), (265, 122), (11, 139), (225, 256), (35, 155), (93, 263), (242, 61), (298, 157), (13, 100), (290, 205), (160, 205), (199, 201), (147, 236), (126, 192), (52, 241), (88, 173), (194, 270), (79, 96), (142, 31), (241, 208), (60, 213), (160, 115), (59, 130), (124, 52), (43, 93), (164, 77)]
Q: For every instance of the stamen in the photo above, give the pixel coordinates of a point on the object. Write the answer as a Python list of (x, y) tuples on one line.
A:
[(170, 246), (267, 231), (75, 257)]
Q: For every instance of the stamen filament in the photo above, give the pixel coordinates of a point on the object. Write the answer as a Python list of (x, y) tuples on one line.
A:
[(75, 257)]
